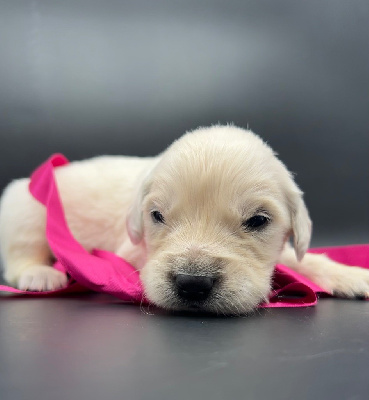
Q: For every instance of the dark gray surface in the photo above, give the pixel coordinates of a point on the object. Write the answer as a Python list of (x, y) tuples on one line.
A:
[(121, 77), (96, 348)]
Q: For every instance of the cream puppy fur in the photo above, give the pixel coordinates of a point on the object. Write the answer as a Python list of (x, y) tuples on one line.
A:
[(204, 222)]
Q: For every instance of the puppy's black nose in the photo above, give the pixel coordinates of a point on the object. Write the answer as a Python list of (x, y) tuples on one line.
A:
[(193, 288)]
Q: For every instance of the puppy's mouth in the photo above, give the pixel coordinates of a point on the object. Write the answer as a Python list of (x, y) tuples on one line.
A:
[(178, 304), (215, 304), (206, 293), (219, 303), (187, 292), (196, 293)]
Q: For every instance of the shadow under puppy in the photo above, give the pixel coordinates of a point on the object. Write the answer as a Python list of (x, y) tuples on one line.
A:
[(205, 222)]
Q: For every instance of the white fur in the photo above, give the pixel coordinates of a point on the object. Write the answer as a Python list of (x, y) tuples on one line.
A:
[(205, 184)]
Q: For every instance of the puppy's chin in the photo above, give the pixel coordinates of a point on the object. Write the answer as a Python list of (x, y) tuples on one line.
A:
[(217, 307)]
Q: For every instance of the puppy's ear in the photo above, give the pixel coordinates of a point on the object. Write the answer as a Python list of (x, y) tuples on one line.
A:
[(134, 221), (301, 227)]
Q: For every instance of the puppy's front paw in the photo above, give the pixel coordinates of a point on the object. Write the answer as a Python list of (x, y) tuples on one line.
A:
[(40, 278), (352, 282)]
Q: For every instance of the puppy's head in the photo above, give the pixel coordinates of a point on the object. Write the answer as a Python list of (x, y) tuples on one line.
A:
[(214, 214)]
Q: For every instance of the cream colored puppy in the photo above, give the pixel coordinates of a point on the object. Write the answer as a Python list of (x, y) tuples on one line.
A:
[(205, 223)]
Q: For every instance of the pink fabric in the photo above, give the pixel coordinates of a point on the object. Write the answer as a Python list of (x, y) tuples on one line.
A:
[(102, 271)]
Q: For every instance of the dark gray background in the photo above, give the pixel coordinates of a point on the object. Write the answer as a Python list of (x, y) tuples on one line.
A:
[(94, 77), (117, 77)]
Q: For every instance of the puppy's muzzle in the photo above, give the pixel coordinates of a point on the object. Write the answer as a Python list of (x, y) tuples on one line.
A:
[(193, 287)]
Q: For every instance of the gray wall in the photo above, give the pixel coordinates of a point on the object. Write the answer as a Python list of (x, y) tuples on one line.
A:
[(93, 77)]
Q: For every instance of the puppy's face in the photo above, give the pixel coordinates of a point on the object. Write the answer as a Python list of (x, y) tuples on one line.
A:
[(214, 215)]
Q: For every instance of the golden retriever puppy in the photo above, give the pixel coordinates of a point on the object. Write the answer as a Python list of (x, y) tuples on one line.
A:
[(205, 222)]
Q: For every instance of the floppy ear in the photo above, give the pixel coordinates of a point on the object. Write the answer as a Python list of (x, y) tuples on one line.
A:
[(300, 223), (134, 221)]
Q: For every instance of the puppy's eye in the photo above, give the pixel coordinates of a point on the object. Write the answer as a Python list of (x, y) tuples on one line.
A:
[(157, 217), (256, 222)]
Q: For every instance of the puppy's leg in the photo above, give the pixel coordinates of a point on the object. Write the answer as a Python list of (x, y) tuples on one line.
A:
[(335, 278), (24, 249)]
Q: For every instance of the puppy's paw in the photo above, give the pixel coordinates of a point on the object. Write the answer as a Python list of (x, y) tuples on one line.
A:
[(41, 278), (351, 282)]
